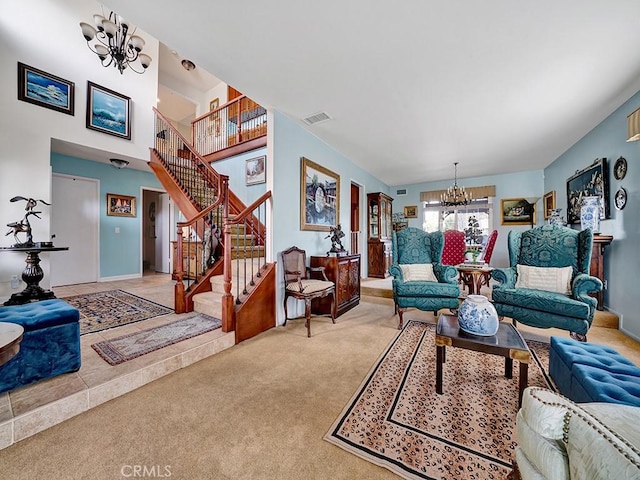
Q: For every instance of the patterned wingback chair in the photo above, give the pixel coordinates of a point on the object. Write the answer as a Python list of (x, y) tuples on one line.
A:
[(487, 250), (454, 247), (419, 278), (536, 304)]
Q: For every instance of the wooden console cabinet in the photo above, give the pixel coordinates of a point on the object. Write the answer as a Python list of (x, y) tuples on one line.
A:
[(597, 263), (344, 272)]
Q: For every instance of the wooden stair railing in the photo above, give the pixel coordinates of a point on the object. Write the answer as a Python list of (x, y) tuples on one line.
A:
[(204, 198), (236, 126)]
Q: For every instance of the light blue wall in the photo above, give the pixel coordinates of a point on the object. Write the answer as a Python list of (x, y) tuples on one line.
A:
[(291, 142), (119, 253), (234, 167), (622, 257), (511, 185)]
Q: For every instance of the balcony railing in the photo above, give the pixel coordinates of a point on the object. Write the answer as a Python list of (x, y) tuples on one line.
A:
[(236, 122)]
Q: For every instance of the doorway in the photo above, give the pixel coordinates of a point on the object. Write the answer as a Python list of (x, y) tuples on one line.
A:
[(354, 228), (75, 217), (156, 232)]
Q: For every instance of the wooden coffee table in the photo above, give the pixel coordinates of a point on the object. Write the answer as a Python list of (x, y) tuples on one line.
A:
[(10, 338), (507, 343)]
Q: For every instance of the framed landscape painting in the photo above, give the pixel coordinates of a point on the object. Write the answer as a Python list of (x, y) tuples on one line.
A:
[(121, 205), (517, 211), (255, 171), (46, 90), (588, 182), (108, 111), (319, 197)]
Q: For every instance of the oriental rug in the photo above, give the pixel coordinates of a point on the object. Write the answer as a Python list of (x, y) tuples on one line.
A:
[(398, 421), (127, 347), (113, 308)]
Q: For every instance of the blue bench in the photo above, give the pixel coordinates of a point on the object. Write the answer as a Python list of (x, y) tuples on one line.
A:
[(50, 345), (586, 372)]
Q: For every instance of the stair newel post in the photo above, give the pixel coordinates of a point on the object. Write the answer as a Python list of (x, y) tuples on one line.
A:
[(178, 275), (227, 298)]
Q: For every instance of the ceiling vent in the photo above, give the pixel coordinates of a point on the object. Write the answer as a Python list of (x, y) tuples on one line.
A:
[(316, 118), (402, 191)]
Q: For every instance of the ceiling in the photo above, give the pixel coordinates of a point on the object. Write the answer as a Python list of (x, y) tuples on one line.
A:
[(498, 86)]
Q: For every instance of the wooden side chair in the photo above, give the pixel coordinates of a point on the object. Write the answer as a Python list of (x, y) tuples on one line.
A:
[(299, 284)]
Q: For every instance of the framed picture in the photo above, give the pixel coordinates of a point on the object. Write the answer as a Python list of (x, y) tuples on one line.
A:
[(108, 111), (411, 211), (588, 182), (213, 104), (549, 203), (517, 211), (46, 90), (121, 205), (255, 171), (319, 197)]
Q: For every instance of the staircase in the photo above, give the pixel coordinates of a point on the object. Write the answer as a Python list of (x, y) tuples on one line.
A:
[(219, 260)]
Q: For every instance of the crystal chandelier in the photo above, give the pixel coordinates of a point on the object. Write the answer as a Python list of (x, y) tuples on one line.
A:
[(116, 46), (455, 195)]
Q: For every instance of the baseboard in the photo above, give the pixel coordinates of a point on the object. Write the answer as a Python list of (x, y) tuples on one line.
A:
[(117, 278)]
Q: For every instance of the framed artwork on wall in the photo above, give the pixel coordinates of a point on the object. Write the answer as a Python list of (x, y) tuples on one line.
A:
[(213, 104), (108, 111), (549, 203), (517, 211), (121, 205), (411, 211), (319, 197), (46, 90), (588, 182), (255, 171)]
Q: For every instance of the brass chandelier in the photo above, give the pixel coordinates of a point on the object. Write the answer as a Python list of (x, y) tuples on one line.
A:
[(454, 195), (116, 45)]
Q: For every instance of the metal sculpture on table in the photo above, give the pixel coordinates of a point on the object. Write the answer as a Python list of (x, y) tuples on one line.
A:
[(336, 244), (23, 226)]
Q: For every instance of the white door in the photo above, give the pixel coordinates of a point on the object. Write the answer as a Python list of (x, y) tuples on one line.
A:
[(163, 234), (75, 215)]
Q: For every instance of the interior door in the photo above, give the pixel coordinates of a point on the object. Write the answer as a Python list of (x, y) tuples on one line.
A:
[(75, 216), (163, 234), (355, 218)]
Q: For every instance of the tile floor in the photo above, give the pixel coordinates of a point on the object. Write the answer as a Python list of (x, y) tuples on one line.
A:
[(28, 410), (31, 409)]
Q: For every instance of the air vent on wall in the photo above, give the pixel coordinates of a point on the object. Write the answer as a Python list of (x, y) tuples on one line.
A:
[(402, 191), (316, 118)]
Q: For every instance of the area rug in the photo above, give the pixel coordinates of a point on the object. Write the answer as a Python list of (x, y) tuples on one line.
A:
[(121, 349), (113, 308), (396, 419)]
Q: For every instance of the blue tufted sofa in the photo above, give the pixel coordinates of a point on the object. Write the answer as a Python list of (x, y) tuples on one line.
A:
[(412, 246), (50, 345), (549, 246)]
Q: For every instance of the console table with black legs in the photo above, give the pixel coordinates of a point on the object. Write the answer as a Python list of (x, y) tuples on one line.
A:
[(32, 275)]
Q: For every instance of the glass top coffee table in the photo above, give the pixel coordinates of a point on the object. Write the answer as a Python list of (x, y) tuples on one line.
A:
[(507, 343)]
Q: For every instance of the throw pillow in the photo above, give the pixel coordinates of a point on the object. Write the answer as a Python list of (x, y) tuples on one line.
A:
[(418, 272), (550, 279)]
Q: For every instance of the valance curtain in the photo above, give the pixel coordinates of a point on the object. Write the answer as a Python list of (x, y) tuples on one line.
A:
[(476, 192)]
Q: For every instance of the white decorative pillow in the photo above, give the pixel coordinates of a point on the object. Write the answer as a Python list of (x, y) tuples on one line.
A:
[(550, 279), (418, 272)]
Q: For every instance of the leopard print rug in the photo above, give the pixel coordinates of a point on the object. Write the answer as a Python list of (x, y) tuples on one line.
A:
[(396, 419)]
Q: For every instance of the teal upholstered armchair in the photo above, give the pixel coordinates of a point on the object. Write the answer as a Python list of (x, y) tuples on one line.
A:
[(419, 278), (551, 295)]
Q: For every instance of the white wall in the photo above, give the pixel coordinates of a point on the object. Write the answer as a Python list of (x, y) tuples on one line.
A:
[(46, 35)]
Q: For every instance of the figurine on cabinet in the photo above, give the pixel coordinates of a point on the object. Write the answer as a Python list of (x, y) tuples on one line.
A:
[(336, 244)]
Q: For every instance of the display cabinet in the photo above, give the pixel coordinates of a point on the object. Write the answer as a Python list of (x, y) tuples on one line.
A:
[(344, 272), (380, 228)]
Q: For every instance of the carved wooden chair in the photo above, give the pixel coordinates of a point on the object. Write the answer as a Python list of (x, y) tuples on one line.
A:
[(299, 284)]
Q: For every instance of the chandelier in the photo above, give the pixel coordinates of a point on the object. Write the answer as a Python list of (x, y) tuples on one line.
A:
[(455, 195), (116, 46)]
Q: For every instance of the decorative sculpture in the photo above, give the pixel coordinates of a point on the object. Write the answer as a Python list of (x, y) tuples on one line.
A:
[(336, 244), (23, 226)]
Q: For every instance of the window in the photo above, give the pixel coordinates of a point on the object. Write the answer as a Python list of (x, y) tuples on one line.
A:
[(479, 211)]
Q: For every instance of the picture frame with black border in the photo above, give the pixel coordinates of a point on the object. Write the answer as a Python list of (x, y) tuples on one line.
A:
[(40, 88), (108, 111)]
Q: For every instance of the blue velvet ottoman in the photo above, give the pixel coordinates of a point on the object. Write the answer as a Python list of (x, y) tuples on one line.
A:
[(586, 372), (592, 384), (50, 345)]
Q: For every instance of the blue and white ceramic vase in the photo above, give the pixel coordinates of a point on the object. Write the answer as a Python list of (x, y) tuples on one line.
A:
[(590, 214), (478, 316), (556, 219)]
